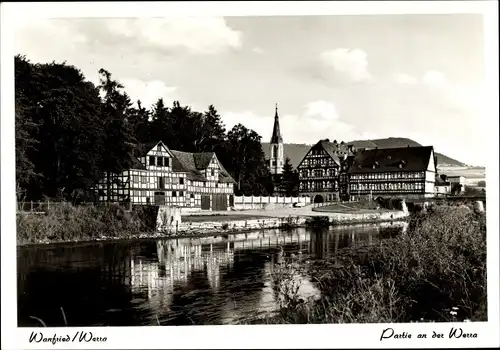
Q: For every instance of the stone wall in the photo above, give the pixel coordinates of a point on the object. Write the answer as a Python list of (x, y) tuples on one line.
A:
[(221, 226), (168, 219)]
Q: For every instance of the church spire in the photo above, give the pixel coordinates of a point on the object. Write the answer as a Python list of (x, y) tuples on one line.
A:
[(276, 137)]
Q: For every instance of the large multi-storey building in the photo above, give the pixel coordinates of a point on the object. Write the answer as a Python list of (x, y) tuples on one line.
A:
[(323, 171), (161, 176), (407, 171)]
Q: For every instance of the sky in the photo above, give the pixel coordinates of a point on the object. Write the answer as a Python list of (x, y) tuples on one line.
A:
[(338, 77)]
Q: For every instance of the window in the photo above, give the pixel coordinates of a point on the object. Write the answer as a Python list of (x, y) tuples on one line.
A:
[(181, 181), (148, 200), (151, 160), (192, 195), (181, 194), (166, 161), (174, 194), (159, 161), (161, 182), (212, 172), (158, 148)]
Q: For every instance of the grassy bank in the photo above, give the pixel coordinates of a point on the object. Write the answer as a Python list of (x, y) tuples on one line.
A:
[(434, 272), (65, 223)]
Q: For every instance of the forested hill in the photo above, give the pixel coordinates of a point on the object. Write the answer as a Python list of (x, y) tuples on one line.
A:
[(296, 152)]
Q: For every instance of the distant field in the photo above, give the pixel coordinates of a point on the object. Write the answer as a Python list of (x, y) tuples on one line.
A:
[(475, 174)]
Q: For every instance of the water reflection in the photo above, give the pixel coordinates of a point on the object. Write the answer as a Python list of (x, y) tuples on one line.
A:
[(210, 280)]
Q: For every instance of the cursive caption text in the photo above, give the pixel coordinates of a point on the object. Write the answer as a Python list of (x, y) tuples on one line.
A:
[(78, 337), (390, 333)]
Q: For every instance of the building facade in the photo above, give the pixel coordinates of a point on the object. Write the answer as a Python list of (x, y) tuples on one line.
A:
[(408, 171), (323, 171), (457, 183), (442, 186), (160, 176)]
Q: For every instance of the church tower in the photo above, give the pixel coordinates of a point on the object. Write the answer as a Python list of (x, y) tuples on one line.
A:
[(277, 159)]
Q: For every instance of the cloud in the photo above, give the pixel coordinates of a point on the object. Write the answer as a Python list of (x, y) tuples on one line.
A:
[(200, 35), (403, 78), (47, 39), (350, 62), (434, 78), (321, 110), (317, 120), (258, 50), (148, 92)]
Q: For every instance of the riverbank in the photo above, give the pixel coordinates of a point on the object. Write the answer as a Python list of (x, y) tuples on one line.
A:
[(68, 224), (435, 272)]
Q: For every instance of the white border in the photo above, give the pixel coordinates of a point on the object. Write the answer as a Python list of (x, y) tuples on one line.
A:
[(303, 336)]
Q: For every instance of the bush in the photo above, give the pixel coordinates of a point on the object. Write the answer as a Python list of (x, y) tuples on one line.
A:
[(439, 265), (391, 203), (65, 222)]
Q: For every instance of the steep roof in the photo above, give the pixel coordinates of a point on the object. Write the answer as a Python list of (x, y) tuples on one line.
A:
[(276, 137), (136, 164), (330, 150), (195, 163), (144, 148), (440, 182), (390, 159)]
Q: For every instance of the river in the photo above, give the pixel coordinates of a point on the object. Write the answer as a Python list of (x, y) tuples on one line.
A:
[(211, 280)]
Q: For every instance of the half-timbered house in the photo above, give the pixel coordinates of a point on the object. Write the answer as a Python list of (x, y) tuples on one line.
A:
[(323, 170), (407, 171), (161, 176)]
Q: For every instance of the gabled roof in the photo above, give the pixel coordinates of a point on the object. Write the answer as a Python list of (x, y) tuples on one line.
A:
[(144, 148), (391, 159), (334, 150), (195, 164)]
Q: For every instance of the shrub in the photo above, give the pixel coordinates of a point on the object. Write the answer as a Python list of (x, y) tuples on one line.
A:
[(318, 221), (65, 222), (391, 203), (438, 265)]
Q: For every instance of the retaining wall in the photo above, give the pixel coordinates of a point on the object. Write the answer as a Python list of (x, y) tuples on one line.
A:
[(175, 226)]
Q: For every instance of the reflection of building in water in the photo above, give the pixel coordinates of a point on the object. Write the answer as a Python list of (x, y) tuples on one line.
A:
[(327, 243), (175, 264), (178, 258)]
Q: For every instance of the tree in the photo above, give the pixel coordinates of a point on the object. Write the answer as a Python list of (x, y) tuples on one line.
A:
[(25, 169), (245, 161), (58, 111), (289, 179), (139, 122), (456, 189), (119, 144), (213, 132), (472, 191)]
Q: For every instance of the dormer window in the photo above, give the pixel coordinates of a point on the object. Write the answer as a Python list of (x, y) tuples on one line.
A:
[(159, 161), (402, 164), (151, 160)]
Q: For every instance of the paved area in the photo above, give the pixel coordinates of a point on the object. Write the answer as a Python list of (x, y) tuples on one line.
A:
[(275, 213)]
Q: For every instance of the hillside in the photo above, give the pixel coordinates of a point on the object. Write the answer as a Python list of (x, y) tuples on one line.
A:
[(296, 152)]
